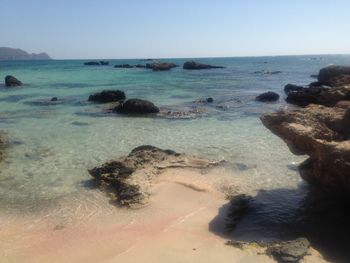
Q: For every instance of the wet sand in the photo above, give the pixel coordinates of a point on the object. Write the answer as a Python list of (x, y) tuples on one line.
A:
[(174, 227)]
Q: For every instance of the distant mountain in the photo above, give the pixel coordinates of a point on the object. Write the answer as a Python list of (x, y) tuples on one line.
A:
[(7, 53)]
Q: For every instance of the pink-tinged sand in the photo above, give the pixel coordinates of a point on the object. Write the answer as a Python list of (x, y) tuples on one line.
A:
[(174, 227)]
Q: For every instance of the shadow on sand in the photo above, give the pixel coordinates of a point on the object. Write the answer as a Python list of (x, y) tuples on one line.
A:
[(286, 214)]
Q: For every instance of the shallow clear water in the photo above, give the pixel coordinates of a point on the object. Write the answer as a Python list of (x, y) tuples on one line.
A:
[(53, 146)]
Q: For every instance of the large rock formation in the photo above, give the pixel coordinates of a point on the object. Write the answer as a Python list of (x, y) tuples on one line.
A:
[(334, 76), (107, 96), (192, 65), (11, 81), (323, 133), (128, 179), (317, 95), (136, 106)]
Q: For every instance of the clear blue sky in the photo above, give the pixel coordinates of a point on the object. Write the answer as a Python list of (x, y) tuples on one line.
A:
[(175, 28)]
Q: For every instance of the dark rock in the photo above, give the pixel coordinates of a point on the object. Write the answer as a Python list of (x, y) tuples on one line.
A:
[(54, 99), (239, 206), (328, 74), (104, 63), (290, 251), (319, 95), (92, 63), (210, 100), (161, 66), (315, 84), (123, 66), (107, 96), (291, 87), (127, 180), (11, 81), (140, 66), (192, 65), (265, 72), (268, 96), (136, 106)]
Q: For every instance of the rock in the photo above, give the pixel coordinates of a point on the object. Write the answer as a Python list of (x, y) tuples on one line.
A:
[(11, 81), (192, 65), (314, 76), (92, 63), (210, 100), (104, 63), (322, 133), (140, 66), (128, 179), (291, 87), (239, 206), (107, 96), (329, 75), (266, 72), (315, 84), (123, 66), (290, 251), (136, 106), (268, 96), (161, 66), (319, 95), (54, 99)]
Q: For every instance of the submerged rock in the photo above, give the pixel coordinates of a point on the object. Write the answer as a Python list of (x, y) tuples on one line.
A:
[(92, 63), (323, 133), (268, 96), (290, 251), (11, 81), (192, 65), (104, 63), (107, 96), (239, 206), (128, 179), (123, 66), (136, 106), (266, 72)]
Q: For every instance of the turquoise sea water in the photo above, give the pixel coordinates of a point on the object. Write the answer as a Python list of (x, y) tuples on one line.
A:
[(53, 145)]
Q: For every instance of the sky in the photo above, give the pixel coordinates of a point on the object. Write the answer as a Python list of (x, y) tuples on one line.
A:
[(74, 29)]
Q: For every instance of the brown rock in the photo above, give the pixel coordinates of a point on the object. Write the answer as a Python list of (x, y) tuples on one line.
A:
[(322, 133)]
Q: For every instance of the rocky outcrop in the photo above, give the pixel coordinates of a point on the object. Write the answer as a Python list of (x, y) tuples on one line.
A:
[(334, 76), (11, 81), (268, 97), (192, 65), (161, 66), (107, 96), (136, 106), (128, 180), (318, 95), (322, 133), (267, 72)]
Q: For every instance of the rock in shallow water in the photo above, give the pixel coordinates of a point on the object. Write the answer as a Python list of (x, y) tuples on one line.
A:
[(11, 81), (136, 106), (192, 65), (268, 97), (127, 180), (107, 96)]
